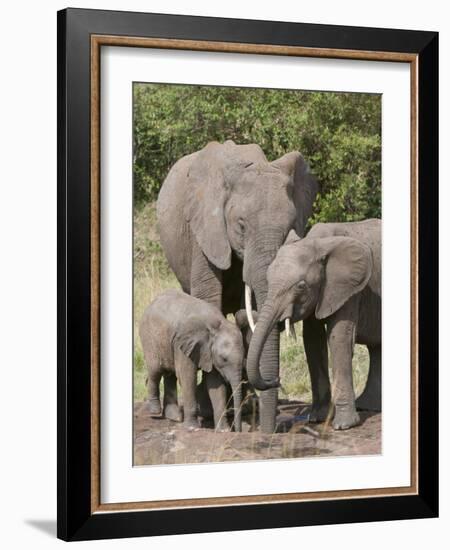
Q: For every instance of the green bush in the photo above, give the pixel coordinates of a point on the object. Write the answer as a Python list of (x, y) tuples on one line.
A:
[(338, 133)]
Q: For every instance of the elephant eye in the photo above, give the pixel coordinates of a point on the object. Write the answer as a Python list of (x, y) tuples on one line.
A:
[(241, 225)]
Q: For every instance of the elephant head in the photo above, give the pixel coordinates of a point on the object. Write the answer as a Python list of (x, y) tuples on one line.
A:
[(216, 344), (308, 276), (240, 204)]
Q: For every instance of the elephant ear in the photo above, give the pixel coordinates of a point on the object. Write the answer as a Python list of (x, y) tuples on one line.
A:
[(193, 340), (348, 267), (205, 205), (305, 186)]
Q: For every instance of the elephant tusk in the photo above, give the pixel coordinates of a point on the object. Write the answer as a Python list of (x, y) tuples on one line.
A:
[(290, 330), (248, 307), (294, 335)]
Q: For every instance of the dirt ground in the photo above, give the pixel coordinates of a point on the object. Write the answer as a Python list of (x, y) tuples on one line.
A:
[(160, 441)]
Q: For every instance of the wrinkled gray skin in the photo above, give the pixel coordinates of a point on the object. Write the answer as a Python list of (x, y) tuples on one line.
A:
[(223, 212), (180, 334), (332, 280)]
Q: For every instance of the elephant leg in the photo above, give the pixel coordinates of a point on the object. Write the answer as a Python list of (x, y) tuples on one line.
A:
[(187, 376), (370, 399), (316, 349), (171, 408), (341, 339), (154, 403), (268, 399), (217, 392), (204, 402)]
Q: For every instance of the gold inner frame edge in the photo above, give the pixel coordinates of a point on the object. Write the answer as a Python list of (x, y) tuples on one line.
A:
[(232, 47)]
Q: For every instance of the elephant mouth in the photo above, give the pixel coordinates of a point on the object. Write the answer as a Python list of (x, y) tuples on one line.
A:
[(286, 318), (286, 313)]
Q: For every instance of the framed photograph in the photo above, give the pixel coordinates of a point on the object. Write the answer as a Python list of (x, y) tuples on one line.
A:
[(247, 256)]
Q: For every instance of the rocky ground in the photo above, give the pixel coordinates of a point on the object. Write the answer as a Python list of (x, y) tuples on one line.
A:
[(160, 441)]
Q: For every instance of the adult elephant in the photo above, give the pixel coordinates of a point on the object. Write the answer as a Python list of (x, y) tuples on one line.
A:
[(332, 280), (223, 212)]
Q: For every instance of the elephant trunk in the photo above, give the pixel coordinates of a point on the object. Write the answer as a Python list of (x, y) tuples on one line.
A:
[(234, 377), (237, 403), (263, 331), (256, 262)]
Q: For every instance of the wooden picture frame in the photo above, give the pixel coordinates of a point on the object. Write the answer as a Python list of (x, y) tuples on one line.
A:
[(81, 35)]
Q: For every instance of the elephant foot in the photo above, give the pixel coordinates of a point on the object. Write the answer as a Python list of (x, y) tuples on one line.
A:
[(223, 429), (191, 425), (319, 413), (172, 412), (369, 402), (223, 426), (345, 418), (154, 406)]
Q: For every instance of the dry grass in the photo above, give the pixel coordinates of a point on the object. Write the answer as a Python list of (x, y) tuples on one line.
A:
[(152, 276)]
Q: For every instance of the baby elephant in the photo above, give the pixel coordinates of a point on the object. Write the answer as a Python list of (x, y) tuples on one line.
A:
[(180, 334), (332, 280)]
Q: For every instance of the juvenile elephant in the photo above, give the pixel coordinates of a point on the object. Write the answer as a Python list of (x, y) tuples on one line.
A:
[(248, 393), (332, 280), (180, 334), (223, 212)]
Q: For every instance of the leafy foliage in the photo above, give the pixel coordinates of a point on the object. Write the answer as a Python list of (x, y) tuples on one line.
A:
[(338, 133)]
